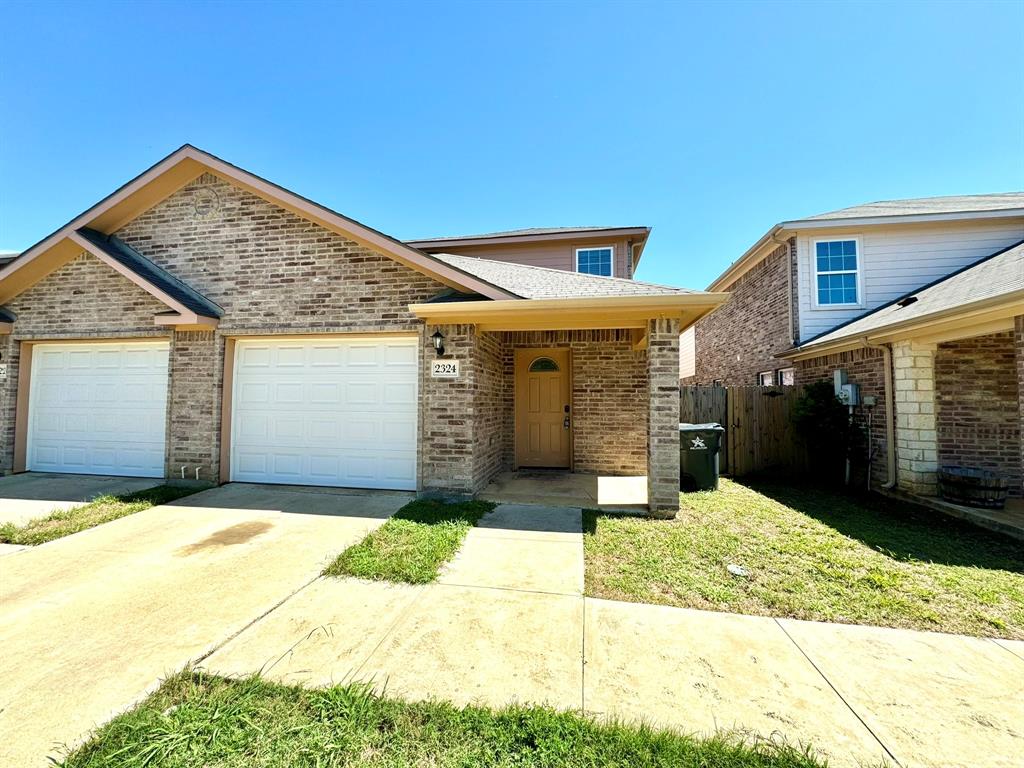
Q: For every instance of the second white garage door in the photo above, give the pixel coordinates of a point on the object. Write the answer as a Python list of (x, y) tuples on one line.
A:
[(338, 412)]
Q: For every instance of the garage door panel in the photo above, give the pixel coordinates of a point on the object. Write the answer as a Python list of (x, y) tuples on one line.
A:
[(326, 412), (98, 408)]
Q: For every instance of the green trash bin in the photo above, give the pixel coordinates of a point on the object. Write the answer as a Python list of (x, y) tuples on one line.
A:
[(699, 445)]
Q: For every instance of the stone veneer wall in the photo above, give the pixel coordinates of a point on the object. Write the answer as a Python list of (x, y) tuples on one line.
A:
[(916, 435), (740, 338), (865, 367), (977, 405)]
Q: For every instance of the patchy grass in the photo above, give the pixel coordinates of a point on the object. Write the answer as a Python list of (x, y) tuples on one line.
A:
[(100, 510), (413, 545), (813, 554), (195, 720)]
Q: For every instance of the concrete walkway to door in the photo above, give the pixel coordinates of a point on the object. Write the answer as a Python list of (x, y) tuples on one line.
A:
[(507, 622)]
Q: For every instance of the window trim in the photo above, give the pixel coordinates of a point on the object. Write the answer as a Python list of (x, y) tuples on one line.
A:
[(769, 374), (859, 272), (781, 372), (576, 261)]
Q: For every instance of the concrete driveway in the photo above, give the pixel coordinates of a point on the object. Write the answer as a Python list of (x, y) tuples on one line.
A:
[(32, 495), (92, 622)]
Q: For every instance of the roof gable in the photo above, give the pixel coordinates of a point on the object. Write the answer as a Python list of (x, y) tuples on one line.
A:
[(175, 171)]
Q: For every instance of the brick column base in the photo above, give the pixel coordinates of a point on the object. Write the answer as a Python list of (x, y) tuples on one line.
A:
[(663, 418)]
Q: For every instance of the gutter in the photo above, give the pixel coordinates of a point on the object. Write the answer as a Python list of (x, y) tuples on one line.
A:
[(890, 423)]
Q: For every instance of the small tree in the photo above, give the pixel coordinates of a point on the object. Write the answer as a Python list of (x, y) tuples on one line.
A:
[(823, 423)]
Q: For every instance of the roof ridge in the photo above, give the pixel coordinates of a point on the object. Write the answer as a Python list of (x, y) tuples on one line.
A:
[(525, 232)]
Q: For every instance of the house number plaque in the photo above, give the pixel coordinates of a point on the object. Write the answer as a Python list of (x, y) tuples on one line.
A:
[(444, 369)]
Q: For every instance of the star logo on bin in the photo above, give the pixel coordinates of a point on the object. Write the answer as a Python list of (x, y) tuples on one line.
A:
[(697, 444)]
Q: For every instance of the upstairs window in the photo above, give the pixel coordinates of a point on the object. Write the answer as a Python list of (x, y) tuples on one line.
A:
[(594, 261), (836, 270)]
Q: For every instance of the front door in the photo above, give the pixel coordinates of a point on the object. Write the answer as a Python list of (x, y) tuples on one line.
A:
[(543, 417)]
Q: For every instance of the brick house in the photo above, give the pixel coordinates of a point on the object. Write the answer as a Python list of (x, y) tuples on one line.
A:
[(919, 301), (204, 323)]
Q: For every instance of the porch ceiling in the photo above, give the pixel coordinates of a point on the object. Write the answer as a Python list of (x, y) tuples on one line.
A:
[(571, 314)]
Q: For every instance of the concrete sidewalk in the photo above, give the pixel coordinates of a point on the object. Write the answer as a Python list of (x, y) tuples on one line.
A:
[(507, 623)]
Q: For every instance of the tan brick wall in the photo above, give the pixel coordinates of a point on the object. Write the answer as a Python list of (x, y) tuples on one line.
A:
[(194, 404), (977, 405), (1018, 347), (82, 299), (663, 417), (272, 272), (609, 394), (865, 367), (741, 338)]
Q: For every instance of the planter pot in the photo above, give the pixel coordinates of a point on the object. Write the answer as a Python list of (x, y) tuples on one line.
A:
[(973, 487)]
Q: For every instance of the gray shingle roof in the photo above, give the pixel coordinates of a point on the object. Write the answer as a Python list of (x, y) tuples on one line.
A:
[(996, 275), (546, 283), (519, 233), (140, 265), (927, 205)]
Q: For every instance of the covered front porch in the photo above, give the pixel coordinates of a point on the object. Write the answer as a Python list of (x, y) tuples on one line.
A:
[(570, 400), (959, 402)]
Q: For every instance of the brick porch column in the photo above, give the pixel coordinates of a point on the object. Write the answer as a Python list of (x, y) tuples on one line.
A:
[(1018, 345), (916, 435), (663, 418), (447, 417)]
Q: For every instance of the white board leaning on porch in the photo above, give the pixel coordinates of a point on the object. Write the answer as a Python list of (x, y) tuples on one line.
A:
[(444, 369)]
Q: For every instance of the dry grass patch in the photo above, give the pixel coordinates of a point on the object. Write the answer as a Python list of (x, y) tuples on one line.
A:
[(813, 554)]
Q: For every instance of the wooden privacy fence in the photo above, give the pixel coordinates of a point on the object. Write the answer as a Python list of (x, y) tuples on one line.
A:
[(759, 434)]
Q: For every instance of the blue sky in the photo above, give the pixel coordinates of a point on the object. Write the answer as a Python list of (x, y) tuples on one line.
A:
[(708, 122)]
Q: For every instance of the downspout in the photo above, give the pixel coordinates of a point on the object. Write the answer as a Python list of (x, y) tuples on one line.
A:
[(890, 421)]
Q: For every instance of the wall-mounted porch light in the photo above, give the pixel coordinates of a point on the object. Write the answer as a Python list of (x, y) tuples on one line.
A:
[(438, 339)]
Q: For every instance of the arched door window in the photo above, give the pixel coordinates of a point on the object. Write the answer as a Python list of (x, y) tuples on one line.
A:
[(543, 365)]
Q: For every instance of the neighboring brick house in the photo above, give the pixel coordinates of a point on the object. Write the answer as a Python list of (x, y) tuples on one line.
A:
[(203, 323), (824, 293)]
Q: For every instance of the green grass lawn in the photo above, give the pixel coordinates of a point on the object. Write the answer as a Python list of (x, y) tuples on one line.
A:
[(101, 510), (195, 721), (813, 554), (413, 545)]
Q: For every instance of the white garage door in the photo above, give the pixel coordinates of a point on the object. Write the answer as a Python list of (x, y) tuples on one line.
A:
[(332, 411), (98, 409)]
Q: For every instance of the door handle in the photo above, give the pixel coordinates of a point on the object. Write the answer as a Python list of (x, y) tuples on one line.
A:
[(565, 422)]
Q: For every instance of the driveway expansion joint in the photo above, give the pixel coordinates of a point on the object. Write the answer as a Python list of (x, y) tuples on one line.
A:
[(837, 692)]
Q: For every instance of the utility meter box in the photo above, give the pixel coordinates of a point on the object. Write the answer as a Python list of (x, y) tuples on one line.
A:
[(849, 394)]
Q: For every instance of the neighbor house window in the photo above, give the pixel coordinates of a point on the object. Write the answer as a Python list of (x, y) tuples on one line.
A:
[(787, 377), (836, 265), (766, 378), (594, 261)]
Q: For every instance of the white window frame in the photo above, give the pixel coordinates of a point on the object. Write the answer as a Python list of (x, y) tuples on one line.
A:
[(781, 372), (595, 248), (771, 378), (859, 272)]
